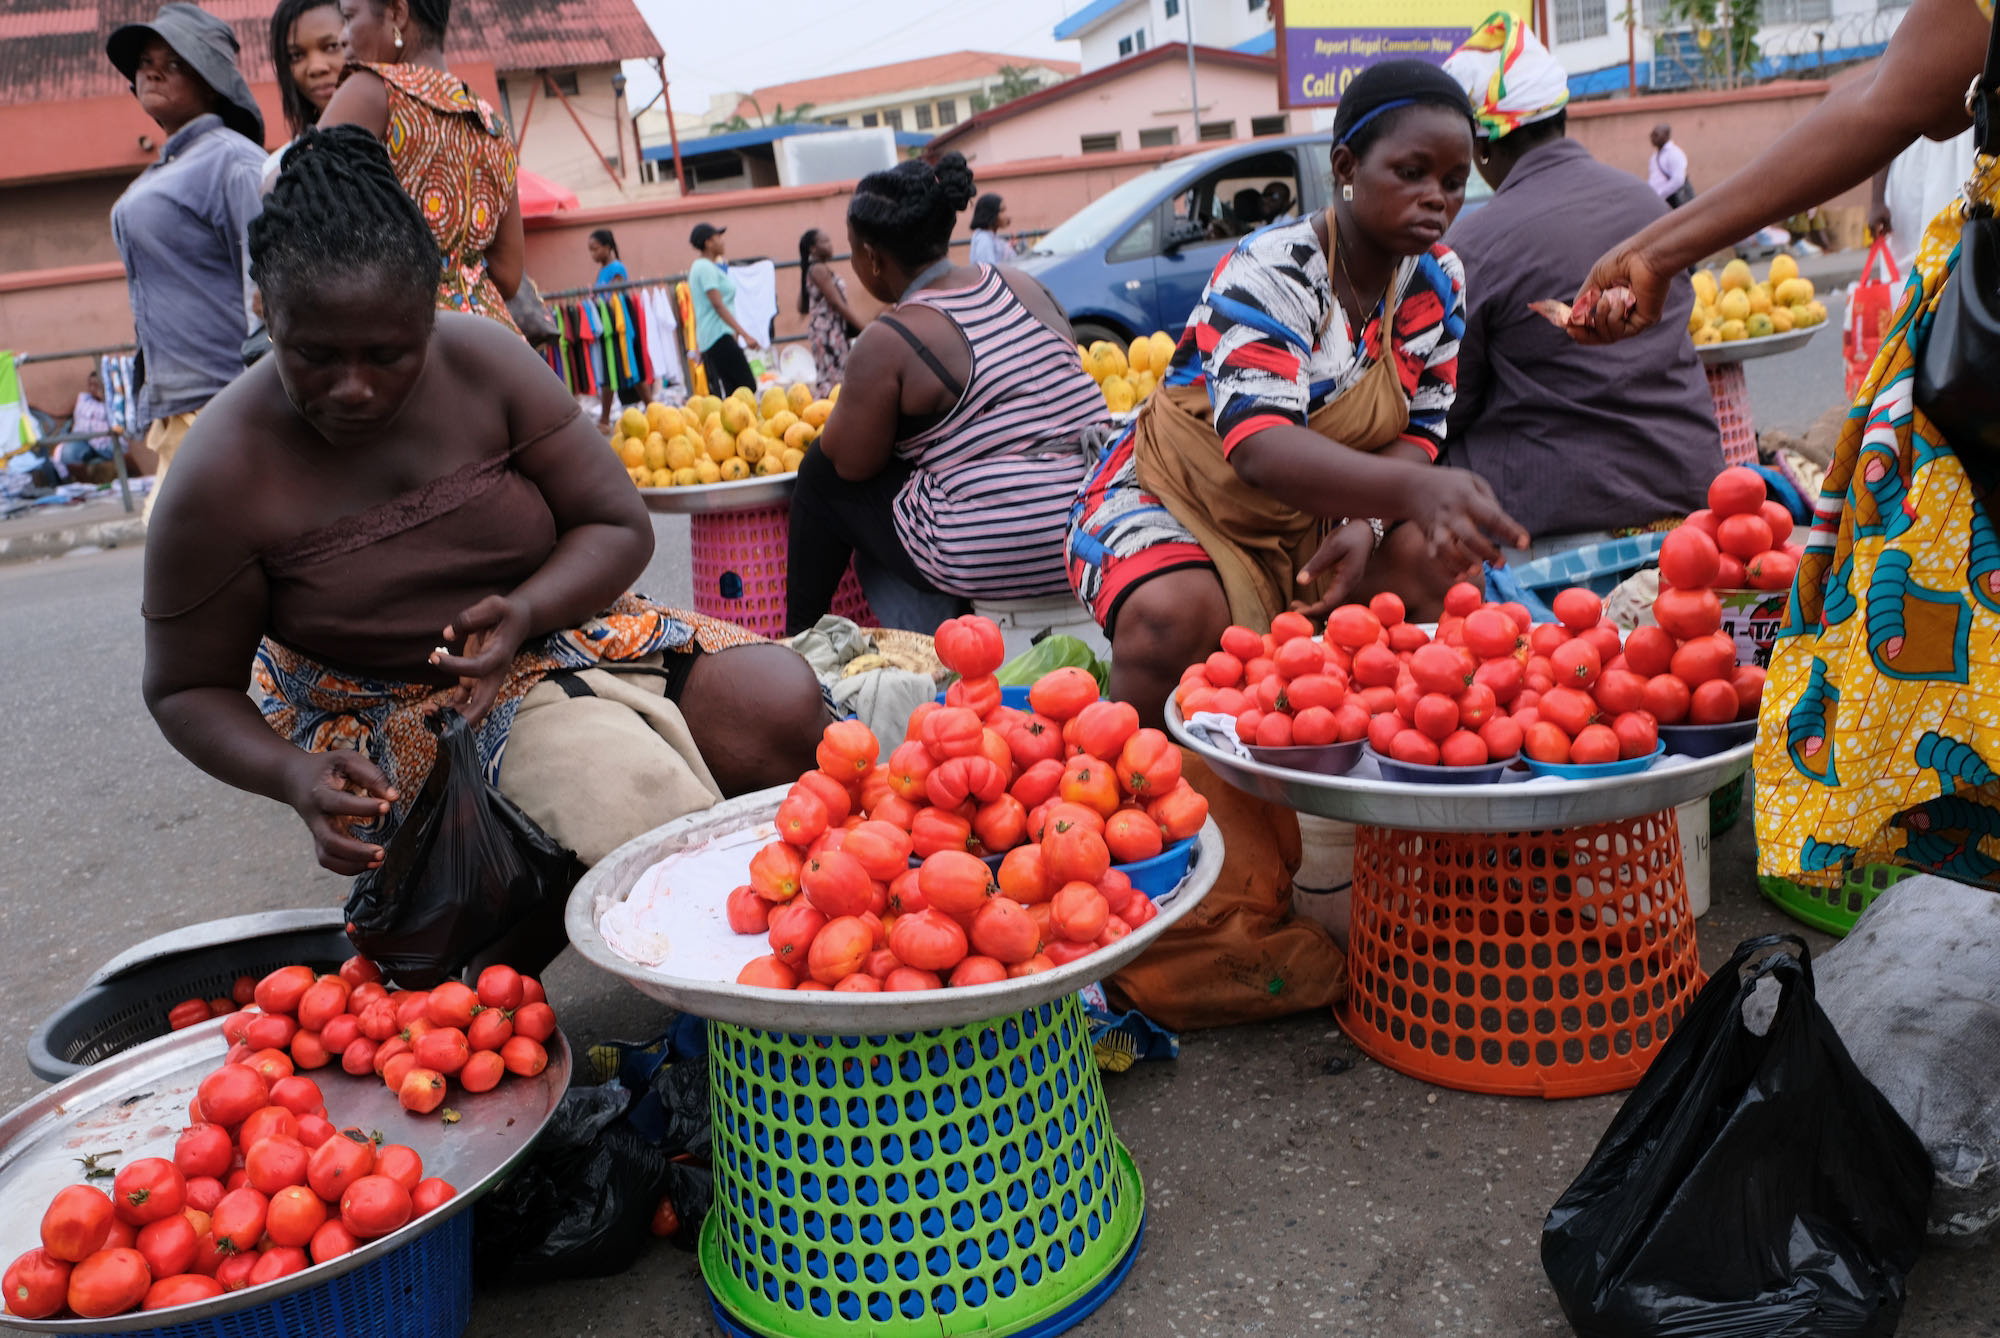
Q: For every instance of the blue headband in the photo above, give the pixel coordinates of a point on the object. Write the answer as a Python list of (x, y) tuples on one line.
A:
[(1366, 117)]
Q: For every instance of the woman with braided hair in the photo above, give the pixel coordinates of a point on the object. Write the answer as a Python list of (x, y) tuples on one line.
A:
[(452, 152), (959, 440), (402, 509)]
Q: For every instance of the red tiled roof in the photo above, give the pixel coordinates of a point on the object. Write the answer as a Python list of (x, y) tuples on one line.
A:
[(53, 50), (899, 77)]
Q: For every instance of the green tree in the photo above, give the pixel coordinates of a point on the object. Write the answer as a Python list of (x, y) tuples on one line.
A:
[(1724, 63), (1015, 82), (798, 115)]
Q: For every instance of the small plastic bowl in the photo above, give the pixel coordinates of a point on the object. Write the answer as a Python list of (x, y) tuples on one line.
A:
[(1163, 873), (1416, 773), (1630, 766), (1334, 759), (1706, 740), (1014, 697)]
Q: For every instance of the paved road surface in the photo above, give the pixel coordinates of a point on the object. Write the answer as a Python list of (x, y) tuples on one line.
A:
[(1285, 1198)]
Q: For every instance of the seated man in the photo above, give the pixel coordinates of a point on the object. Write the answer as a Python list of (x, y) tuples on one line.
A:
[(1277, 201), (1576, 441)]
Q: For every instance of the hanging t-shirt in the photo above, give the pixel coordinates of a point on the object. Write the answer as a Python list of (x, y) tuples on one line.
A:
[(705, 276)]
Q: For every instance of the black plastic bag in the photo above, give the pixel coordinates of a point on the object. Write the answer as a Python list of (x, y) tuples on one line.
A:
[(1751, 1185), (464, 867)]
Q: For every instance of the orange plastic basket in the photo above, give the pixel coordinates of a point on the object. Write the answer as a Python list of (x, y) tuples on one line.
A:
[(1730, 390), (739, 570), (1547, 964)]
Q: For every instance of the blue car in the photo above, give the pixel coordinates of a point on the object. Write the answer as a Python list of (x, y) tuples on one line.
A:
[(1136, 259)]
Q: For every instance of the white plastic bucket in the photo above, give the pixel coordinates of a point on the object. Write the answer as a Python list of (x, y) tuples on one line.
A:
[(1022, 620), (1693, 817)]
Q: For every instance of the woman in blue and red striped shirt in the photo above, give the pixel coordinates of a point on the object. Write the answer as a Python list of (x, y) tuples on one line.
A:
[(1301, 413), (966, 420)]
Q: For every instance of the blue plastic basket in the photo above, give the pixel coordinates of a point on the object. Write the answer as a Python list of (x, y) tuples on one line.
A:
[(1163, 872), (422, 1290)]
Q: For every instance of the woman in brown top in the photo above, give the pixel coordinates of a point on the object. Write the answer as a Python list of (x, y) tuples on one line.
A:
[(451, 151), (402, 509)]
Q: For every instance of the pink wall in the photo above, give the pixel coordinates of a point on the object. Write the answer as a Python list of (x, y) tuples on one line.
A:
[(52, 310), (1154, 96)]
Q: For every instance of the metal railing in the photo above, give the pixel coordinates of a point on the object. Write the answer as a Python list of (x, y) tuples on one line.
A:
[(116, 433)]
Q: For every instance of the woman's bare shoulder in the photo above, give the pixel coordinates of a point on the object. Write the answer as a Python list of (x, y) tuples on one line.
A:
[(488, 363)]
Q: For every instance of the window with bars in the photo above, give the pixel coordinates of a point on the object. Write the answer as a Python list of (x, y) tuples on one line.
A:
[(1218, 130), (1124, 46), (893, 118), (1267, 125), (1160, 137), (947, 111), (1797, 11), (1139, 40), (923, 116), (1173, 8), (1580, 20), (870, 118), (1101, 143)]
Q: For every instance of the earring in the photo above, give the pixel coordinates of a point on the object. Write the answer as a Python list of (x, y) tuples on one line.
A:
[(399, 39), (1347, 192)]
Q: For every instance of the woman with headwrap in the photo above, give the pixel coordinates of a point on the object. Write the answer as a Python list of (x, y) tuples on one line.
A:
[(1297, 424), (1578, 445)]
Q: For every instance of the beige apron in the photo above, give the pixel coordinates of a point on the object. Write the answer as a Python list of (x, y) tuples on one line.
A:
[(1257, 542)]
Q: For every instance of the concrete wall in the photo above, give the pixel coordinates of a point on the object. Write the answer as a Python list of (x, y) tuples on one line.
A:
[(1152, 97), (1219, 23)]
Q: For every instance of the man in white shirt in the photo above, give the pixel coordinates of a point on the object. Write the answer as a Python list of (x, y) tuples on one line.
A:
[(1668, 171)]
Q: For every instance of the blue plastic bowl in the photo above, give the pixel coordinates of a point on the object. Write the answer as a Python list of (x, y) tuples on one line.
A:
[(1706, 740), (1416, 773), (1630, 766), (1014, 697), (1163, 873)]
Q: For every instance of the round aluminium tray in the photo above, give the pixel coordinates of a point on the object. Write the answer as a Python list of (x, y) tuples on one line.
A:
[(707, 498), (719, 998), (1743, 350), (1512, 806), (136, 1104)]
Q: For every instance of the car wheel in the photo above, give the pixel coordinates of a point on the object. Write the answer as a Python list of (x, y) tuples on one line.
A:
[(1089, 332)]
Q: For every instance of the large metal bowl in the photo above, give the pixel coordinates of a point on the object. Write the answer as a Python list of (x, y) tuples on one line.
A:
[(1505, 807), (828, 1014), (137, 1103), (703, 499)]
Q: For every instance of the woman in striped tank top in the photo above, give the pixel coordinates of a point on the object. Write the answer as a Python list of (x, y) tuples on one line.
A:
[(964, 419)]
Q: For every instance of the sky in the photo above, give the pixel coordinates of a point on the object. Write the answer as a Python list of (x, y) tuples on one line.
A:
[(799, 39)]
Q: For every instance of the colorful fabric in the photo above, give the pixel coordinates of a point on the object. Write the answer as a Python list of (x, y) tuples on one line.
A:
[(1122, 536), (827, 329), (453, 154), (1273, 344), (985, 513), (319, 708), (1880, 729), (1509, 75)]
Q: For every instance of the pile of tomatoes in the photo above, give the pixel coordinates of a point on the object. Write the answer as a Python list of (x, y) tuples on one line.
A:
[(1065, 791), (1751, 533), (1491, 683), (417, 1041), (261, 1185)]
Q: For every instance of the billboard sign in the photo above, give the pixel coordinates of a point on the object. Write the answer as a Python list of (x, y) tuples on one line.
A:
[(1324, 44)]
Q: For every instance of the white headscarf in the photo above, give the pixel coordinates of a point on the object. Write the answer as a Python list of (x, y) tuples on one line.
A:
[(1509, 75)]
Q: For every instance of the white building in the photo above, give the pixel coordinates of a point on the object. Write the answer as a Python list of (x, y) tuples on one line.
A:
[(1112, 30)]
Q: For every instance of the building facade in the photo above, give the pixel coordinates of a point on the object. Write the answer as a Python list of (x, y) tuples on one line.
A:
[(1114, 30), (919, 97)]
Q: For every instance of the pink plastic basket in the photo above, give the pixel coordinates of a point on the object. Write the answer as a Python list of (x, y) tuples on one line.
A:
[(739, 570), (1731, 393)]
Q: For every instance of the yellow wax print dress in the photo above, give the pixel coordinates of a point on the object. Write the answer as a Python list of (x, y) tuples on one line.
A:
[(1879, 737)]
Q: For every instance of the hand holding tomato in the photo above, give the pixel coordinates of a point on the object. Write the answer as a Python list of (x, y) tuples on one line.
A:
[(331, 791)]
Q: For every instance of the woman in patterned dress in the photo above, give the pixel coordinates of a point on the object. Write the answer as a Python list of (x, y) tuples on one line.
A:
[(829, 315), (1879, 736), (451, 150), (401, 510)]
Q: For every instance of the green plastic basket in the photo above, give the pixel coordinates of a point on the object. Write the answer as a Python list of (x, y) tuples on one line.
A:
[(954, 1181), (1725, 806), (1833, 910)]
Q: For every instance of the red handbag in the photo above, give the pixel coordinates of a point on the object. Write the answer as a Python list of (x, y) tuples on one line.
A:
[(1870, 313)]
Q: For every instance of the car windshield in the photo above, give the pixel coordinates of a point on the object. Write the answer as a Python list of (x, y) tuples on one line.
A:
[(1094, 224)]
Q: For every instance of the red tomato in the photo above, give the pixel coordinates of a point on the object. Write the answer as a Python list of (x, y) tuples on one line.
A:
[(431, 1194), (1274, 731), (1702, 660), (1477, 704), (1685, 614), (524, 1058), (1748, 680), (1546, 742), (1744, 536), (1382, 730), (1436, 716), (1503, 678), (1314, 727), (1568, 709), (1388, 608), (483, 1072), (1704, 520), (1714, 703), (1288, 627), (420, 1089), (358, 971), (280, 1261), (1649, 650), (274, 1163), (1576, 662), (231, 1093), (147, 1190), (1667, 699), (281, 991), (1462, 749), (108, 1283), (1577, 609), (331, 1241), (204, 1192), (313, 1130), (36, 1285), (1352, 626), (1463, 598), (181, 1289), (451, 1005), (1438, 668), (1619, 691), (1490, 634), (1736, 491), (1594, 746), (1689, 559), (1502, 737), (1545, 637), (1638, 734), (1412, 746), (1605, 638), (1304, 692), (301, 1096), (187, 1013), (1241, 642), (1772, 571), (203, 1149), (321, 1004), (1732, 575), (1779, 517), (1405, 637), (1376, 667), (168, 1245), (970, 646)]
